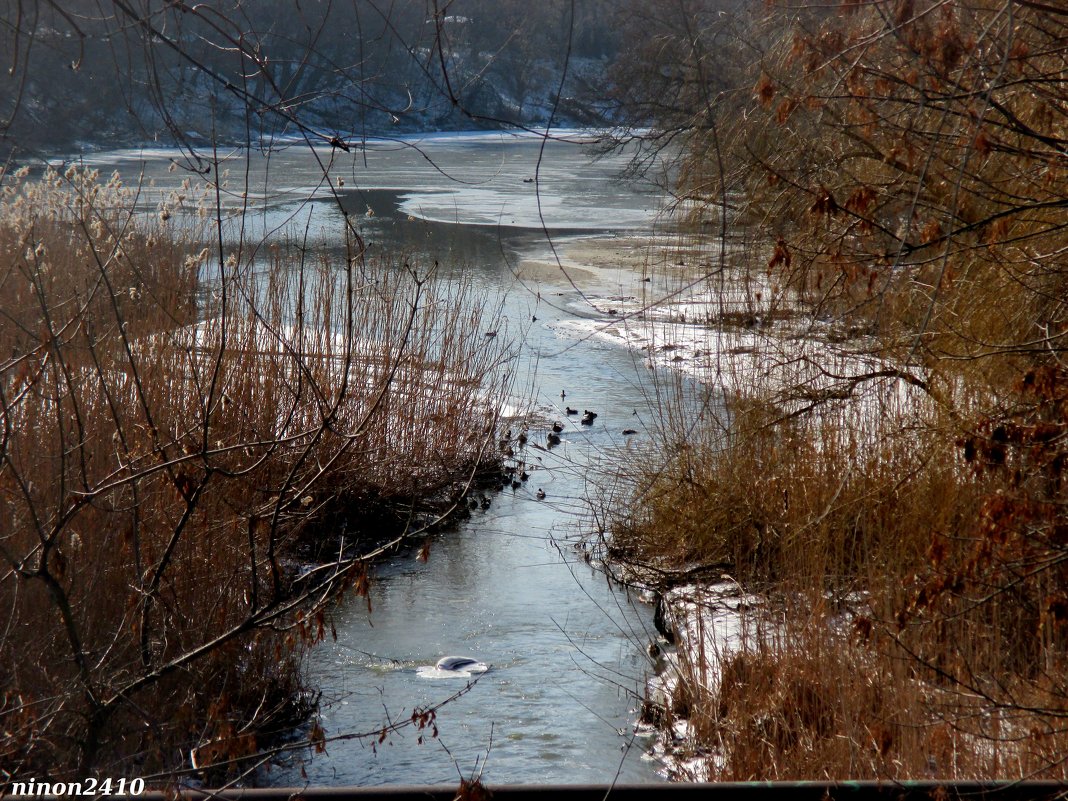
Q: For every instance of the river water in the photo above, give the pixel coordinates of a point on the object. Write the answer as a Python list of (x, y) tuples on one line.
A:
[(508, 586)]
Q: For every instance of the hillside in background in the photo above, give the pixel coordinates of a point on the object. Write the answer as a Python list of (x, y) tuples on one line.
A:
[(84, 73)]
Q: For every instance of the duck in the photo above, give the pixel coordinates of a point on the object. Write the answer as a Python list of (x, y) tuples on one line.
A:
[(553, 439), (569, 410), (558, 427), (588, 417), (541, 495)]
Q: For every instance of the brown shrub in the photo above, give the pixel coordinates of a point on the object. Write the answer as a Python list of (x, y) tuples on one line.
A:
[(175, 423)]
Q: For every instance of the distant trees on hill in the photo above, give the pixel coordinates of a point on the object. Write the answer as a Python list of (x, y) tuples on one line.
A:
[(135, 70)]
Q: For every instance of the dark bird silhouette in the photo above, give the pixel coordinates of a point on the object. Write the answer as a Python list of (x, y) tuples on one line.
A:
[(558, 427), (569, 410), (588, 417)]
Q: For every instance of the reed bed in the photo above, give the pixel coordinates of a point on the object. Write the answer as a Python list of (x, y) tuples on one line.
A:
[(903, 516), (892, 615), (198, 453)]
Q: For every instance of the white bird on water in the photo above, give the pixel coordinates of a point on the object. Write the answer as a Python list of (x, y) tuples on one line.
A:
[(454, 667)]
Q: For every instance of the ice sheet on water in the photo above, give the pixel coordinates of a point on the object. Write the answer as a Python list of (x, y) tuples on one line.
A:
[(519, 207)]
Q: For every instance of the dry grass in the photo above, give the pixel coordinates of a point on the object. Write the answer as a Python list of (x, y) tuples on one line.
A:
[(873, 655), (910, 516), (800, 500), (176, 422), (819, 707)]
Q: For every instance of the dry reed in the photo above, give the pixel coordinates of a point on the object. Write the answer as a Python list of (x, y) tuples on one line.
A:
[(177, 423), (905, 508)]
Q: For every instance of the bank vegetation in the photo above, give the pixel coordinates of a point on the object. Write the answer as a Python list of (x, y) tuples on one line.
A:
[(203, 443), (889, 180)]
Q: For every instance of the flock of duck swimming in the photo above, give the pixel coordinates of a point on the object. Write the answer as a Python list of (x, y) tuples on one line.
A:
[(515, 475), (587, 420)]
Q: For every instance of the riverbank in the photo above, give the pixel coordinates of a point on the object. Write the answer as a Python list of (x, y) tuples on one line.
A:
[(765, 530), (725, 569), (835, 503), (762, 527), (203, 445), (504, 583)]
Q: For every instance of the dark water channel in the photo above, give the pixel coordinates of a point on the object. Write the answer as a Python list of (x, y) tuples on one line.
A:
[(567, 650)]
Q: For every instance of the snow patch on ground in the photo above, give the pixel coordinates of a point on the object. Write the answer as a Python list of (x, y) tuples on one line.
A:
[(711, 623)]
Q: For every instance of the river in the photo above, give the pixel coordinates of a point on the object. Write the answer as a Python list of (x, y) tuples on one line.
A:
[(508, 586)]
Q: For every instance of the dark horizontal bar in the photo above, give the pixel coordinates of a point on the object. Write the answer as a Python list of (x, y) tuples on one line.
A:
[(725, 791)]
